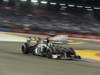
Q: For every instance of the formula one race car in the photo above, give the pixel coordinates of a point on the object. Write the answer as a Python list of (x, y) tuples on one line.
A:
[(42, 48)]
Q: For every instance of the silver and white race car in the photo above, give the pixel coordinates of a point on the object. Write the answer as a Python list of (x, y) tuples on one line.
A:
[(50, 50)]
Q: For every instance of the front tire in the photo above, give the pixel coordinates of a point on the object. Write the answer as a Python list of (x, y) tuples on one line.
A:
[(49, 54), (78, 57)]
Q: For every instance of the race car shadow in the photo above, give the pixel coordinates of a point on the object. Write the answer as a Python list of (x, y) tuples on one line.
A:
[(70, 59)]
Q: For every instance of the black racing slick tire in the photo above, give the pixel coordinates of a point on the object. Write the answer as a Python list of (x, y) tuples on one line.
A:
[(25, 49), (49, 54), (78, 57)]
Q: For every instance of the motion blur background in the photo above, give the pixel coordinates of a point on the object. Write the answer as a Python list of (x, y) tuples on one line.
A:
[(62, 16), (77, 18)]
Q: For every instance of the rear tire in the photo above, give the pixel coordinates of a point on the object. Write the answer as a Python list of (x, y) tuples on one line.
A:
[(25, 49), (43, 54)]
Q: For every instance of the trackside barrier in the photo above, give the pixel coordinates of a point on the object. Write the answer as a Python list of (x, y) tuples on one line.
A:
[(32, 32), (84, 36), (70, 35), (46, 33)]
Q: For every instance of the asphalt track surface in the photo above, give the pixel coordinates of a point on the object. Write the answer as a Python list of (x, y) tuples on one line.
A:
[(13, 62)]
